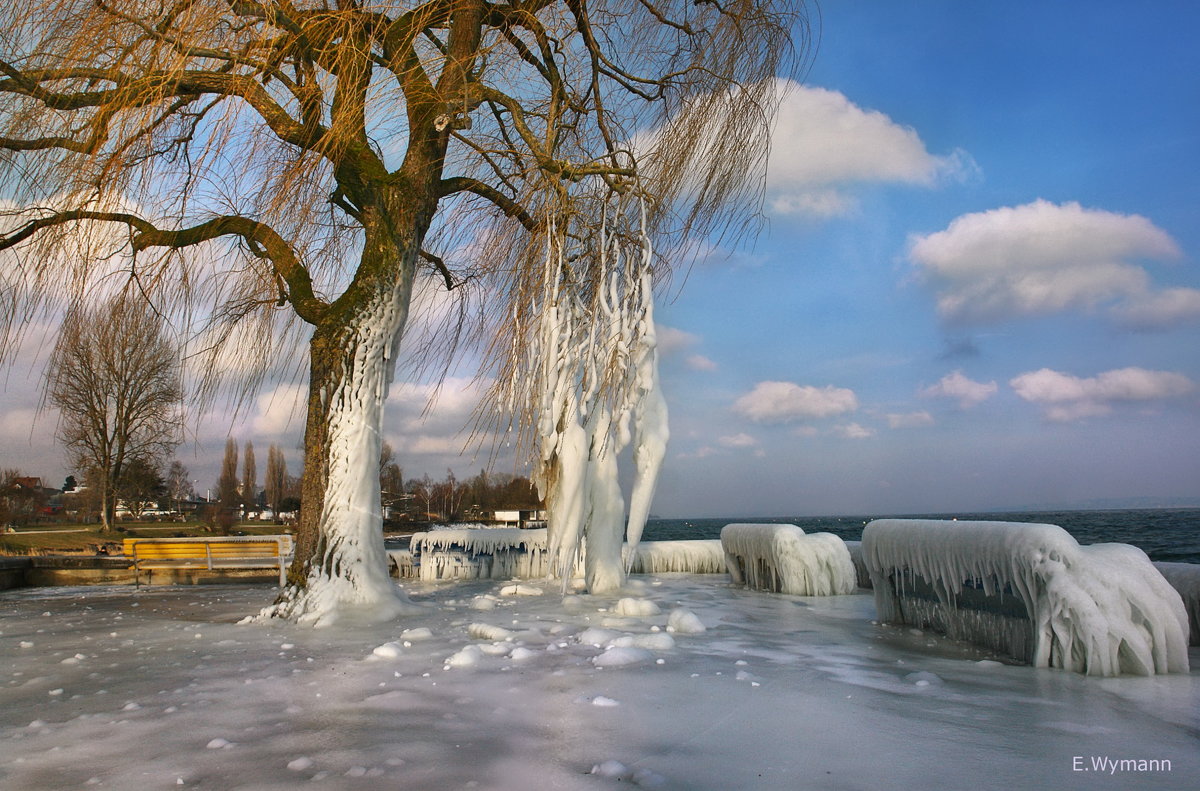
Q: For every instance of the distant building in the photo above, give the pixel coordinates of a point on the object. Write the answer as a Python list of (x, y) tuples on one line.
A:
[(526, 518)]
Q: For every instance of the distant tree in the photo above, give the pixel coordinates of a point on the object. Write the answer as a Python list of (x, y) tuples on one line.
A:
[(140, 486), (20, 498), (114, 377), (228, 496), (391, 477), (179, 485), (277, 479), (249, 478)]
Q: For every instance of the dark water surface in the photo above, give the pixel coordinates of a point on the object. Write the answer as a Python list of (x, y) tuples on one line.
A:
[(1171, 534)]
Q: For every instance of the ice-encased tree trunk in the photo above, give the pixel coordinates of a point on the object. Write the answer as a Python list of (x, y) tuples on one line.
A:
[(352, 359)]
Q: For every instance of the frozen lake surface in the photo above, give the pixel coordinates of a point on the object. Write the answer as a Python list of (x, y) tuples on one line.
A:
[(105, 687)]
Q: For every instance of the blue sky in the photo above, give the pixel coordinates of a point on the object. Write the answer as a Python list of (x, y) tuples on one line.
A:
[(1055, 284), (977, 286)]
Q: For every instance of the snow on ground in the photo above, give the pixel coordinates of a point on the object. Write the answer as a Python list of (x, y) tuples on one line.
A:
[(107, 687)]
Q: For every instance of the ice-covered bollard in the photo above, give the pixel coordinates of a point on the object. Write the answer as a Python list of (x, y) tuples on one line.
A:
[(1029, 591), (1185, 579), (782, 559)]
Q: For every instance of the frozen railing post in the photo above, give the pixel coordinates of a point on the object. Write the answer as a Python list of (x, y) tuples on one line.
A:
[(1029, 591), (782, 559)]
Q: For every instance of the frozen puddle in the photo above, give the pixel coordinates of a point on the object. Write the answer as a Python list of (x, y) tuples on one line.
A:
[(712, 687)]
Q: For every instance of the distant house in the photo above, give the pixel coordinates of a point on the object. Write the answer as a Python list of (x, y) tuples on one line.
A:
[(28, 483), (525, 518)]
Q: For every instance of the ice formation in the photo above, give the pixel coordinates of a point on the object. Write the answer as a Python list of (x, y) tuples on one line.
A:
[(701, 556), (508, 552), (782, 559), (1031, 591), (593, 362), (1185, 579)]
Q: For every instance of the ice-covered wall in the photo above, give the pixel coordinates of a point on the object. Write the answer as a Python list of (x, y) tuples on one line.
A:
[(782, 559), (1031, 591), (1185, 579)]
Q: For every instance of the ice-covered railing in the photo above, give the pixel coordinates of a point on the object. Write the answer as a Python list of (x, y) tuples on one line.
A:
[(1030, 591), (501, 553), (665, 557), (782, 559), (1185, 579)]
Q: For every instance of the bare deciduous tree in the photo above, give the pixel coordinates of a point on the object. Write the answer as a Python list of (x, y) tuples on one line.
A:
[(114, 377), (228, 495), (324, 152), (277, 478), (249, 478)]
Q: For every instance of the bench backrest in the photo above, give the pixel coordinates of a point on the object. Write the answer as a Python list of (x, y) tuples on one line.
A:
[(217, 548)]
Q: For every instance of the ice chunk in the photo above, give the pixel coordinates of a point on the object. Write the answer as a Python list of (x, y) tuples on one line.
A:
[(682, 621), (483, 631), (782, 559), (656, 641), (468, 656), (1031, 591), (520, 590), (218, 744), (300, 764), (604, 702), (420, 633), (389, 650), (636, 608)]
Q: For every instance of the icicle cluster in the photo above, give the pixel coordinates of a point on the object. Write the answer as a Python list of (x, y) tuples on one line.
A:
[(783, 559), (592, 384)]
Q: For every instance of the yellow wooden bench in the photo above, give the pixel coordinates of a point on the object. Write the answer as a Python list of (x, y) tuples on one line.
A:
[(224, 552)]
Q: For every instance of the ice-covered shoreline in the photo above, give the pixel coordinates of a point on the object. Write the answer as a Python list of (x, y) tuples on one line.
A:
[(124, 689)]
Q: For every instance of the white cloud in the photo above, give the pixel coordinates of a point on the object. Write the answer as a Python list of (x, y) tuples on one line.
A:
[(740, 440), (909, 419), (956, 385), (782, 402), (823, 142), (853, 431), (279, 411), (1037, 259), (698, 362), (672, 340), (1159, 310), (1065, 397)]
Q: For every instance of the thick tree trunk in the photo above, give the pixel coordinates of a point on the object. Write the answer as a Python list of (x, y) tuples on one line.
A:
[(340, 562)]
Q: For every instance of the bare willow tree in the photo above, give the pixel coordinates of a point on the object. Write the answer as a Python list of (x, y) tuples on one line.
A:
[(279, 170), (115, 379)]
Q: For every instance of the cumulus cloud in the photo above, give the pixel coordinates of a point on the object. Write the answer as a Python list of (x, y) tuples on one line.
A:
[(909, 419), (1037, 259), (1159, 310), (823, 142), (740, 440), (783, 402), (1065, 397), (853, 431), (698, 362), (957, 386)]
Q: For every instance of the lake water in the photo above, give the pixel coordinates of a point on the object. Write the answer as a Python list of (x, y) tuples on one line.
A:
[(1171, 534)]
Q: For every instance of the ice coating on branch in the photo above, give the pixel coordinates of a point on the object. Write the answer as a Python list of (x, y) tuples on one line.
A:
[(781, 558), (1101, 609), (593, 363), (350, 573)]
